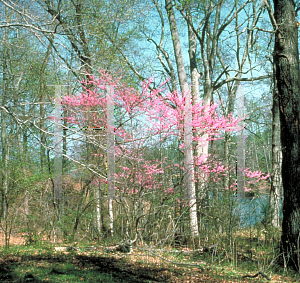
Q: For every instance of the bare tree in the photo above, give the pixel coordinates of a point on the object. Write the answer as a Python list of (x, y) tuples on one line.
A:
[(189, 185), (276, 178), (4, 136), (286, 59)]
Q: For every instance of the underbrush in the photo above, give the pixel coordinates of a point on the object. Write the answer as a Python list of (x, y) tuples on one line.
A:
[(229, 260)]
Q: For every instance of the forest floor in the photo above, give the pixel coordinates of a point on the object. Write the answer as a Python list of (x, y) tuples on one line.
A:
[(41, 263)]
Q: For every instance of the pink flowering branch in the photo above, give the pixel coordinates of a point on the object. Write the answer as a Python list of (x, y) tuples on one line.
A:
[(163, 114)]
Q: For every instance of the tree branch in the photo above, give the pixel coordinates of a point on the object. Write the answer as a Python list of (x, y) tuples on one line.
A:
[(241, 80)]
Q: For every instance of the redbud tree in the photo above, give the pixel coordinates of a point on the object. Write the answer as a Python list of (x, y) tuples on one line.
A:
[(140, 117), (163, 115)]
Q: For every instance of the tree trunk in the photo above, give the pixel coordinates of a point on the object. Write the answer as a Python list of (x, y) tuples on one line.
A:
[(189, 184), (4, 204), (98, 210), (286, 59), (24, 153), (195, 100), (111, 217), (42, 109), (274, 201)]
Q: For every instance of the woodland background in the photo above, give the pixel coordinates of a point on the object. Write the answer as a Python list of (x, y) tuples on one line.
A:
[(211, 47)]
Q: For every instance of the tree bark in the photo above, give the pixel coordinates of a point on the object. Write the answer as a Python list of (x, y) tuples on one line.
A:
[(276, 181), (4, 204), (110, 155), (189, 184), (286, 59), (98, 210), (195, 100)]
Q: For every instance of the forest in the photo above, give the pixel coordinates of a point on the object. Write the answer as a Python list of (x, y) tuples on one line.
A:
[(149, 141)]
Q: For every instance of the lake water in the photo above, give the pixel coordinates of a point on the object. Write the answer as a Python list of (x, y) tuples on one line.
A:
[(253, 210)]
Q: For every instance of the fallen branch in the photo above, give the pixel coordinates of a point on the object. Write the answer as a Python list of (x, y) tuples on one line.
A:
[(257, 274)]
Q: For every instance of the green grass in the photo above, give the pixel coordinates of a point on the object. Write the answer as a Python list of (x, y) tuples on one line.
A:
[(40, 263), (63, 273)]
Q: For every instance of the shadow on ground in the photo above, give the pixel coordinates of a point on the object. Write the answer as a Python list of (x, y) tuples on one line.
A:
[(82, 268)]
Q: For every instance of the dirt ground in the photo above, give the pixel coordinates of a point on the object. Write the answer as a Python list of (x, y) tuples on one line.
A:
[(134, 270)]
